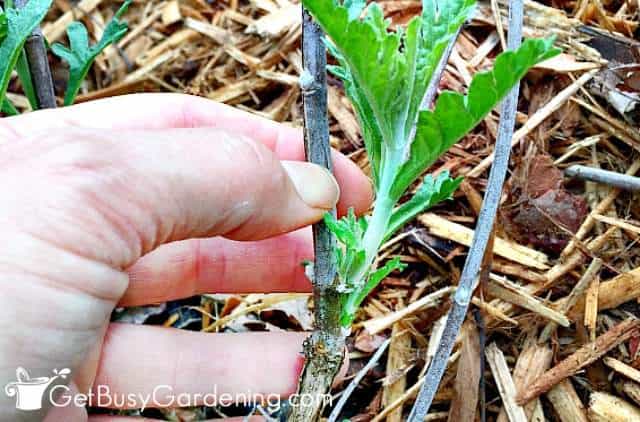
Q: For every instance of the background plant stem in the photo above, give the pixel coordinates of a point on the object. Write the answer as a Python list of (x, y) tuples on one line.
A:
[(484, 227), (324, 349), (38, 60)]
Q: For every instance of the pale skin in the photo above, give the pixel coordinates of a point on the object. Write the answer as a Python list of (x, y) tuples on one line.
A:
[(144, 199)]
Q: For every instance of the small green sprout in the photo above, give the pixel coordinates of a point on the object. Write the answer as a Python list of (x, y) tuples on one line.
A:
[(80, 56)]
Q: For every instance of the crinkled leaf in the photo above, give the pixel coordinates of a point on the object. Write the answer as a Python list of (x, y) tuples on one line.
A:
[(386, 72), (349, 230), (19, 25), (430, 193), (440, 22), (80, 56), (455, 114), (355, 299)]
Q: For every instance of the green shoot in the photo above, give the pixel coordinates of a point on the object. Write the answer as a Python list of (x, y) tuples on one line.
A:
[(15, 28), (80, 56), (24, 73), (8, 108), (386, 74)]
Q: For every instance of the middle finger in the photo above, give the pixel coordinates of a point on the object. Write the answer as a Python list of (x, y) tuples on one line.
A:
[(216, 265)]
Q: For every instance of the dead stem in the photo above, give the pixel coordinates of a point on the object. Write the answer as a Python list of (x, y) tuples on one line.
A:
[(324, 350), (483, 232), (38, 60)]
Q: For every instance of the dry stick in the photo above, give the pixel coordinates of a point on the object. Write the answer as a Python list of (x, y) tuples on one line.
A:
[(582, 357), (605, 407), (505, 384), (483, 231), (601, 208), (576, 293), (315, 376), (622, 368), (618, 180), (335, 413), (566, 403), (324, 349), (39, 65), (485, 271), (482, 337)]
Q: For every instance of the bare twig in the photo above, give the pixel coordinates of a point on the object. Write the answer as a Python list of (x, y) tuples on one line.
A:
[(618, 180), (483, 231), (38, 60), (324, 349), (482, 335), (333, 417)]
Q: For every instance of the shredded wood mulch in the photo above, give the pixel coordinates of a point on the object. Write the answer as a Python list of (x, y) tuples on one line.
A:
[(559, 310)]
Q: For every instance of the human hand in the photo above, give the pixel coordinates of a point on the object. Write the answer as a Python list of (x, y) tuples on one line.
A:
[(143, 199)]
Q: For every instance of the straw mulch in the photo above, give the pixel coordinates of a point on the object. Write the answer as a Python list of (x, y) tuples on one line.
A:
[(558, 304)]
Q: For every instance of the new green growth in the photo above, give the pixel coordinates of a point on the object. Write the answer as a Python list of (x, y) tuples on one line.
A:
[(385, 74)]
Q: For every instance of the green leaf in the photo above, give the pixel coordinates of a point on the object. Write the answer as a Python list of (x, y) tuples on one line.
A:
[(455, 115), (4, 26), (386, 72), (429, 194), (357, 297), (24, 73), (80, 56), (440, 22), (349, 231), (20, 24), (8, 108)]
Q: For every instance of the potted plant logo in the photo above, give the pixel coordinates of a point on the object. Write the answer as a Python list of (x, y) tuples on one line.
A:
[(29, 391)]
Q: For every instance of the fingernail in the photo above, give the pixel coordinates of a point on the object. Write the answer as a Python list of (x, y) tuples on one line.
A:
[(315, 185)]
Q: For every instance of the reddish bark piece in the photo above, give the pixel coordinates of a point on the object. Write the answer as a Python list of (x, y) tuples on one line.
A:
[(543, 212), (542, 176)]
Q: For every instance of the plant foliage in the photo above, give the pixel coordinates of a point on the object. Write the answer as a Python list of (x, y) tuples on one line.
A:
[(15, 28), (80, 56), (386, 73), (4, 26)]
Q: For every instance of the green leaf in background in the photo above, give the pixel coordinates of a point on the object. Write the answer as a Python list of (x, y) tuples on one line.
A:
[(430, 193), (80, 56), (20, 24), (455, 114)]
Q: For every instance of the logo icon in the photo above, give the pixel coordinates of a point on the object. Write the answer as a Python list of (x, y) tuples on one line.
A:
[(29, 391)]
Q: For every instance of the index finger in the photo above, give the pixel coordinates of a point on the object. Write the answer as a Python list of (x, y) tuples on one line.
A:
[(157, 111)]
